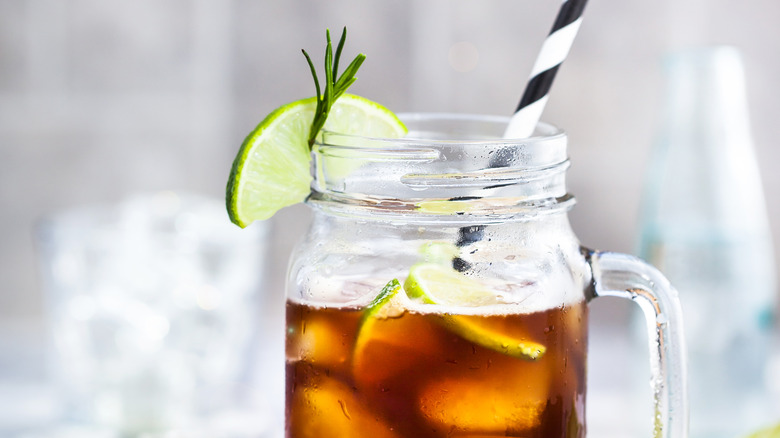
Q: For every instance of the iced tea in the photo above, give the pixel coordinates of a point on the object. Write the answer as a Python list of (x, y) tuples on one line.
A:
[(411, 376)]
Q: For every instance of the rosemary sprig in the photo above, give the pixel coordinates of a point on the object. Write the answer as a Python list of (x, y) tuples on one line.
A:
[(333, 88)]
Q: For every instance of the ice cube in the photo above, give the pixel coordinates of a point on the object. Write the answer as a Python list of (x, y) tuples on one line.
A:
[(386, 349), (321, 339), (507, 400), (330, 408)]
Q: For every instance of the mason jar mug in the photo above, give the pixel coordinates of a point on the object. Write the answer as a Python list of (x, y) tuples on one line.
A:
[(441, 292)]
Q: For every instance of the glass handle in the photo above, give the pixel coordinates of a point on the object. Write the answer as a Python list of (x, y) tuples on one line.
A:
[(624, 276)]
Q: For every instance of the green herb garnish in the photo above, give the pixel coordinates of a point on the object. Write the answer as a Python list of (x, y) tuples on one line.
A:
[(333, 88)]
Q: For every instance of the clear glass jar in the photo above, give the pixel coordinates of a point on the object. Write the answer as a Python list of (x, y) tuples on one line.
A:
[(489, 337)]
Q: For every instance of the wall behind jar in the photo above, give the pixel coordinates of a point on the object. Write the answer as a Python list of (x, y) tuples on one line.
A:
[(99, 100)]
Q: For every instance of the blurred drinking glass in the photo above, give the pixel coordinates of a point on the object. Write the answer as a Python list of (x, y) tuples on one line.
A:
[(152, 306), (705, 224)]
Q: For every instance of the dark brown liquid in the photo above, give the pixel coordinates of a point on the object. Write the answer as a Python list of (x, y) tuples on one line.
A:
[(410, 376)]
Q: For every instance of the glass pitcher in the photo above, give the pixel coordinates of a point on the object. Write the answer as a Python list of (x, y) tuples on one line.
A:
[(441, 292)]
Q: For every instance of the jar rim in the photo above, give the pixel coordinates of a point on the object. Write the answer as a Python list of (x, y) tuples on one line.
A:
[(542, 133), (455, 165)]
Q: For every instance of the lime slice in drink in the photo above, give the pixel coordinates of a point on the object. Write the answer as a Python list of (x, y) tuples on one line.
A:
[(271, 170), (377, 309), (444, 207), (377, 305), (389, 341), (437, 284), (440, 253)]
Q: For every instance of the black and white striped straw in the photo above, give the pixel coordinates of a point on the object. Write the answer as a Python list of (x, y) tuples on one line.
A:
[(554, 51)]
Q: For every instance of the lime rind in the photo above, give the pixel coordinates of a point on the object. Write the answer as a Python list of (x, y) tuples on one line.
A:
[(491, 339), (377, 309), (418, 287), (386, 126), (433, 283), (387, 293), (271, 170), (436, 283), (282, 178)]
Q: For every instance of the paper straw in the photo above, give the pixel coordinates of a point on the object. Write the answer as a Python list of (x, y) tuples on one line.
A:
[(554, 51)]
